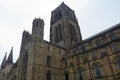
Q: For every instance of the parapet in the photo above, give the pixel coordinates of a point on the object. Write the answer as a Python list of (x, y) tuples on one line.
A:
[(38, 22)]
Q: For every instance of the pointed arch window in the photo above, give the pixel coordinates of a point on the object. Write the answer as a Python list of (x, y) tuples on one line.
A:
[(80, 75), (59, 14), (48, 75), (114, 48), (66, 76), (97, 70), (118, 63), (58, 35), (72, 32), (48, 61)]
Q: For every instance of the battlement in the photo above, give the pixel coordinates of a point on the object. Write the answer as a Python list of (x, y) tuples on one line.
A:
[(38, 22)]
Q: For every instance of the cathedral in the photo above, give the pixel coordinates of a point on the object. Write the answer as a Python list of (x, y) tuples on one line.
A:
[(66, 56)]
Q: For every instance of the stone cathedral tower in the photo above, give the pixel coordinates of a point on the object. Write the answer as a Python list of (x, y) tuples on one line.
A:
[(64, 30)]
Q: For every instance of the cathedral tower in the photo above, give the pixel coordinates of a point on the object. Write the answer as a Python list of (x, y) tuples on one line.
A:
[(38, 29), (64, 28)]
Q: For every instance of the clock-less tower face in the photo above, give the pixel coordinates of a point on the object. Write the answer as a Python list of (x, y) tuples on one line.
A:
[(64, 28)]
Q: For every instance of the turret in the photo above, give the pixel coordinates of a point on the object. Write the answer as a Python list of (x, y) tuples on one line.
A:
[(38, 29), (26, 37)]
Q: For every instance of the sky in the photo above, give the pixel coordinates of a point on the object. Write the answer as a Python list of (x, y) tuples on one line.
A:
[(16, 16)]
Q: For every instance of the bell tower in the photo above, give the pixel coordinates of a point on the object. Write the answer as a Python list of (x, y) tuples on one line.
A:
[(64, 27)]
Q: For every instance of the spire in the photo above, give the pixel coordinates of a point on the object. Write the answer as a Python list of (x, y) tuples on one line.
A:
[(4, 61), (10, 57)]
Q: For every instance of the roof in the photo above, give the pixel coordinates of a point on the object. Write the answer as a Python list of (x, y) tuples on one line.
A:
[(113, 28), (117, 26)]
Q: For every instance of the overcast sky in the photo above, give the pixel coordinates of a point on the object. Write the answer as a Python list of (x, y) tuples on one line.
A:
[(16, 16)]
